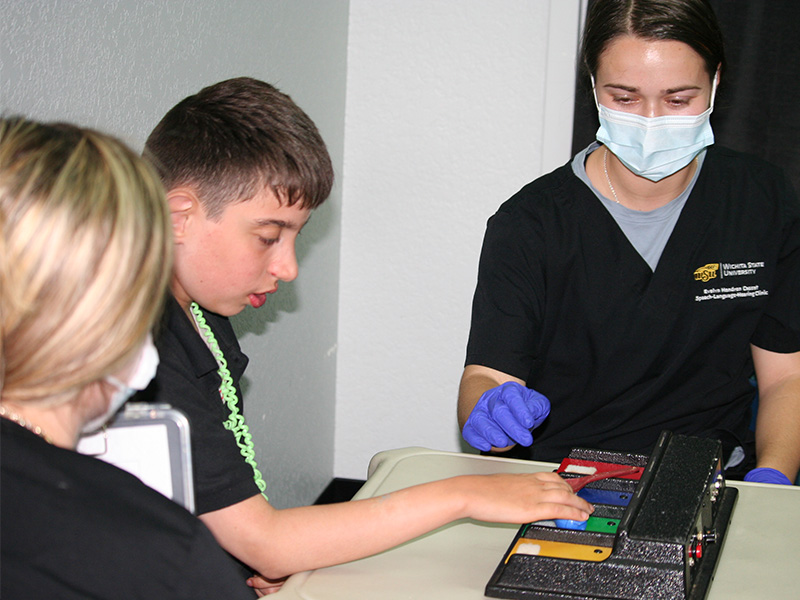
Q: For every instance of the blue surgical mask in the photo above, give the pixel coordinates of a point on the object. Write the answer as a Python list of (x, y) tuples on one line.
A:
[(655, 147), (143, 373)]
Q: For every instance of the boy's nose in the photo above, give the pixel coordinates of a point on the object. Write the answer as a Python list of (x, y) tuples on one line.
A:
[(285, 267)]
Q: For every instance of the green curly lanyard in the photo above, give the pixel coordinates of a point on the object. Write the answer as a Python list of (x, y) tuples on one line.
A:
[(227, 392)]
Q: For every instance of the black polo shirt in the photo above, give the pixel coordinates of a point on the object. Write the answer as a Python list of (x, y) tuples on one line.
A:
[(187, 379), (565, 303)]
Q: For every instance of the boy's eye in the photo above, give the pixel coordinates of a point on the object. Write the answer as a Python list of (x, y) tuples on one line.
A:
[(267, 241), (269, 235)]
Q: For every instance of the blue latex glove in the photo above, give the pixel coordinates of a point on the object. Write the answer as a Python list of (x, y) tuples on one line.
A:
[(767, 475), (505, 415)]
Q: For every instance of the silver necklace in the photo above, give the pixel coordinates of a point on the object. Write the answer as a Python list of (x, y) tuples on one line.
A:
[(608, 179)]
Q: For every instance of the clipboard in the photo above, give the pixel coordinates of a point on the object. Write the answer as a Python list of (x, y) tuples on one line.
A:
[(152, 442)]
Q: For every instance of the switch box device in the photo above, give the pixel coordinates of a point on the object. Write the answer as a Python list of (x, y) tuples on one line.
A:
[(657, 534)]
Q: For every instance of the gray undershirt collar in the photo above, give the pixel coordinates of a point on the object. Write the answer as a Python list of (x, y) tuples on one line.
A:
[(647, 231)]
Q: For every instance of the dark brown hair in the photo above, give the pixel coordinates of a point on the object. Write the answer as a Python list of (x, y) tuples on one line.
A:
[(236, 137), (692, 22)]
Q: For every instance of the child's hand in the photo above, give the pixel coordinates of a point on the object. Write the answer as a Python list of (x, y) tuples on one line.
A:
[(523, 498)]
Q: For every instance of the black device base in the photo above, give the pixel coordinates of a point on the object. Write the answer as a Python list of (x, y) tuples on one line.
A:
[(666, 545)]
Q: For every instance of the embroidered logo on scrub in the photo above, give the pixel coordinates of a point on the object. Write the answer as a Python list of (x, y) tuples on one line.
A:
[(729, 290), (707, 272)]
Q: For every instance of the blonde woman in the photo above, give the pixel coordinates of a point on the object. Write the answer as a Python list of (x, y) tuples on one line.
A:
[(85, 256)]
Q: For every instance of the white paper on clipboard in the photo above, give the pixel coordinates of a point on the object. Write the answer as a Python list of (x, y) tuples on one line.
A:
[(151, 441)]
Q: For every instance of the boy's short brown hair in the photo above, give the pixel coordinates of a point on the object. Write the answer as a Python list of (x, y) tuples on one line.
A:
[(236, 137)]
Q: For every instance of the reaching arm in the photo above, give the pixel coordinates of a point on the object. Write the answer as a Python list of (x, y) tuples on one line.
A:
[(778, 421), (277, 543), (497, 410), (475, 380)]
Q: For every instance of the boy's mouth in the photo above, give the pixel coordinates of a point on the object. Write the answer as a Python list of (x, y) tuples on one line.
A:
[(257, 300)]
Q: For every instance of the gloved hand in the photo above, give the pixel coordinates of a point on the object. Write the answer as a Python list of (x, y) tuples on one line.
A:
[(504, 415), (767, 475)]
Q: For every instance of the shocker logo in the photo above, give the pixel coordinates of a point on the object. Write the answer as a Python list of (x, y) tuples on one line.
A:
[(707, 272)]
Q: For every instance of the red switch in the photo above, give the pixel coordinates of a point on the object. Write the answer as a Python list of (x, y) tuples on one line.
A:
[(696, 551)]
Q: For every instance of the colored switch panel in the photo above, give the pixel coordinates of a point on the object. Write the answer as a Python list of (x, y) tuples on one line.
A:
[(553, 549), (612, 497), (602, 525), (588, 467), (593, 524)]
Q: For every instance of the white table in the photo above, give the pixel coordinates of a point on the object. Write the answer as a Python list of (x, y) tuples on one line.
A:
[(760, 558)]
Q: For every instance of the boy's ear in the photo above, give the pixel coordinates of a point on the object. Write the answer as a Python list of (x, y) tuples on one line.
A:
[(183, 206)]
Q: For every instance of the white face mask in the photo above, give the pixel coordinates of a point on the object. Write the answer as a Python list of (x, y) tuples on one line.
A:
[(655, 147), (142, 375)]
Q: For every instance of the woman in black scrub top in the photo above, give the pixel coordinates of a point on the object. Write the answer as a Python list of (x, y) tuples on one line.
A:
[(639, 287)]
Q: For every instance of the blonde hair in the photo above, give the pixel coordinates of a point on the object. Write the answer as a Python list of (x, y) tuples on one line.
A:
[(85, 258)]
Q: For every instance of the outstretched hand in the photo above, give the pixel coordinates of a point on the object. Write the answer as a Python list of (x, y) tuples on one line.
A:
[(504, 415), (524, 498)]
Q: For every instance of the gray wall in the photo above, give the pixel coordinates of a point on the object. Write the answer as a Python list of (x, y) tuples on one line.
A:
[(118, 65)]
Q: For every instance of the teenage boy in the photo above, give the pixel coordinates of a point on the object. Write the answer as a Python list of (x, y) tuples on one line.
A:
[(243, 168)]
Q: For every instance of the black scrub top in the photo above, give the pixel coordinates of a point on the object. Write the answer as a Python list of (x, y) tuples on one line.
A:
[(565, 303)]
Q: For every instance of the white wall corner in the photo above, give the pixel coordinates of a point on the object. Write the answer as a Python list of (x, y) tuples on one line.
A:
[(564, 26)]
